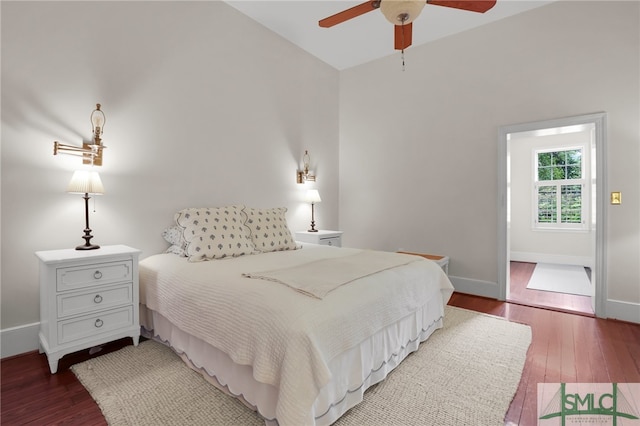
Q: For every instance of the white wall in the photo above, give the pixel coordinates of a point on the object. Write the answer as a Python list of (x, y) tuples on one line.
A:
[(572, 247), (204, 107), (418, 149)]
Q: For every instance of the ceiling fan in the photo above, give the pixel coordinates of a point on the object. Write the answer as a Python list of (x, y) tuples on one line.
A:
[(402, 13)]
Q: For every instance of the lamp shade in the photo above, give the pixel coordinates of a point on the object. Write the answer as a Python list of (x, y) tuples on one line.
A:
[(85, 182), (397, 10), (312, 196)]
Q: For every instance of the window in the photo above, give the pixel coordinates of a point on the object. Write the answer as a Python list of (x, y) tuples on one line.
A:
[(559, 189)]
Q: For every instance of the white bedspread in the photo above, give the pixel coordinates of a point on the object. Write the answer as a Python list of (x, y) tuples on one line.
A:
[(318, 278), (288, 338)]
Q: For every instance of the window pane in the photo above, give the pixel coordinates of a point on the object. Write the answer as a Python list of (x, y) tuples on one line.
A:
[(544, 159), (558, 158), (547, 211), (571, 203), (574, 172), (574, 156), (559, 173), (544, 173)]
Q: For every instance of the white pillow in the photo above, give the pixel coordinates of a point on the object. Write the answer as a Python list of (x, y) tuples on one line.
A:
[(173, 235), (215, 233), (269, 230)]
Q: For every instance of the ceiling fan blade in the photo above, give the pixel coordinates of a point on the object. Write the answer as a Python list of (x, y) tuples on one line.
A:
[(350, 13), (480, 6), (403, 35)]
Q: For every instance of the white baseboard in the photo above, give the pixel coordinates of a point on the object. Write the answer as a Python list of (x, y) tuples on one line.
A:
[(557, 259), (475, 287), (624, 311), (615, 309), (18, 340)]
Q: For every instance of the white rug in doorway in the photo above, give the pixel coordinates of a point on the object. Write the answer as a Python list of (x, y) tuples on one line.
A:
[(570, 279)]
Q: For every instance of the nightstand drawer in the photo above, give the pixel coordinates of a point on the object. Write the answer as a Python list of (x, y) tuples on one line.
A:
[(97, 299), (96, 274), (330, 241), (322, 237), (94, 325)]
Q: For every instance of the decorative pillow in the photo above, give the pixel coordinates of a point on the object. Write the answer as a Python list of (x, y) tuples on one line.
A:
[(269, 230), (215, 233), (173, 235)]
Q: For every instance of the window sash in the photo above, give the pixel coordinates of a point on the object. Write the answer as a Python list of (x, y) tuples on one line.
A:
[(559, 164)]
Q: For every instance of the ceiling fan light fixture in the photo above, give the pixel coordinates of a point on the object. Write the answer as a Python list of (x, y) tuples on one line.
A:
[(400, 12)]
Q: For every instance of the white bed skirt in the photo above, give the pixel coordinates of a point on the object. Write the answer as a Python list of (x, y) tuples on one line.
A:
[(353, 372)]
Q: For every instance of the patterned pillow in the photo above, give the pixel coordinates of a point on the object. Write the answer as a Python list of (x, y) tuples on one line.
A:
[(269, 230), (215, 233), (173, 235)]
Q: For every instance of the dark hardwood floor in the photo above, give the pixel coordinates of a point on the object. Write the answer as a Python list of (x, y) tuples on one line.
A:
[(565, 348), (31, 395), (519, 293)]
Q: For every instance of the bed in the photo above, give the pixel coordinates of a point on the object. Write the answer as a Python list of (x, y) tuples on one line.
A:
[(297, 333)]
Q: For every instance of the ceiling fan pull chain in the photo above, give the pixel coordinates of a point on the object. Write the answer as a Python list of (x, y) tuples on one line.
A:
[(402, 51)]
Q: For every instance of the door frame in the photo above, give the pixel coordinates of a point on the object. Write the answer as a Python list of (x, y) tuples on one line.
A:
[(600, 172)]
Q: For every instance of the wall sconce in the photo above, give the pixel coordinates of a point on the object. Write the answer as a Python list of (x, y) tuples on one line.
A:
[(305, 175), (91, 153)]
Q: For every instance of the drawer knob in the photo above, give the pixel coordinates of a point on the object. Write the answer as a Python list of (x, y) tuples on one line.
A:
[(97, 275), (330, 243), (98, 323), (97, 299)]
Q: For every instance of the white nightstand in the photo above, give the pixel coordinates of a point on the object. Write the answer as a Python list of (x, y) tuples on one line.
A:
[(87, 298), (325, 238)]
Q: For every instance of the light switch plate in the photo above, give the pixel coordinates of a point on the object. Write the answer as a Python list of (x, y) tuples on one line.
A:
[(616, 198)]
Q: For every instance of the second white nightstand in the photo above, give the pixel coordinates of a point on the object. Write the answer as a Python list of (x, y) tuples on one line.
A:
[(87, 298), (325, 238), (443, 261)]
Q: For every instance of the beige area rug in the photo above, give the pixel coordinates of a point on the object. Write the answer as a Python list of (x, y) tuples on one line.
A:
[(465, 374)]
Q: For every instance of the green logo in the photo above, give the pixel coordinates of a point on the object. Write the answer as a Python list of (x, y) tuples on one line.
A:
[(595, 401)]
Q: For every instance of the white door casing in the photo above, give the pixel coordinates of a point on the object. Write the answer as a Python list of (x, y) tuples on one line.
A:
[(599, 220)]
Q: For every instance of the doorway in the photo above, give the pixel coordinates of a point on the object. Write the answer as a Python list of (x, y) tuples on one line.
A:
[(529, 232)]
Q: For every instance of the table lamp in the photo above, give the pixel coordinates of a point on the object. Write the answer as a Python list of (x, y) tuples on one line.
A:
[(86, 182), (312, 196)]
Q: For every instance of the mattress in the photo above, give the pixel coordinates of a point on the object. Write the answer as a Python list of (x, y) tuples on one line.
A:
[(295, 359)]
